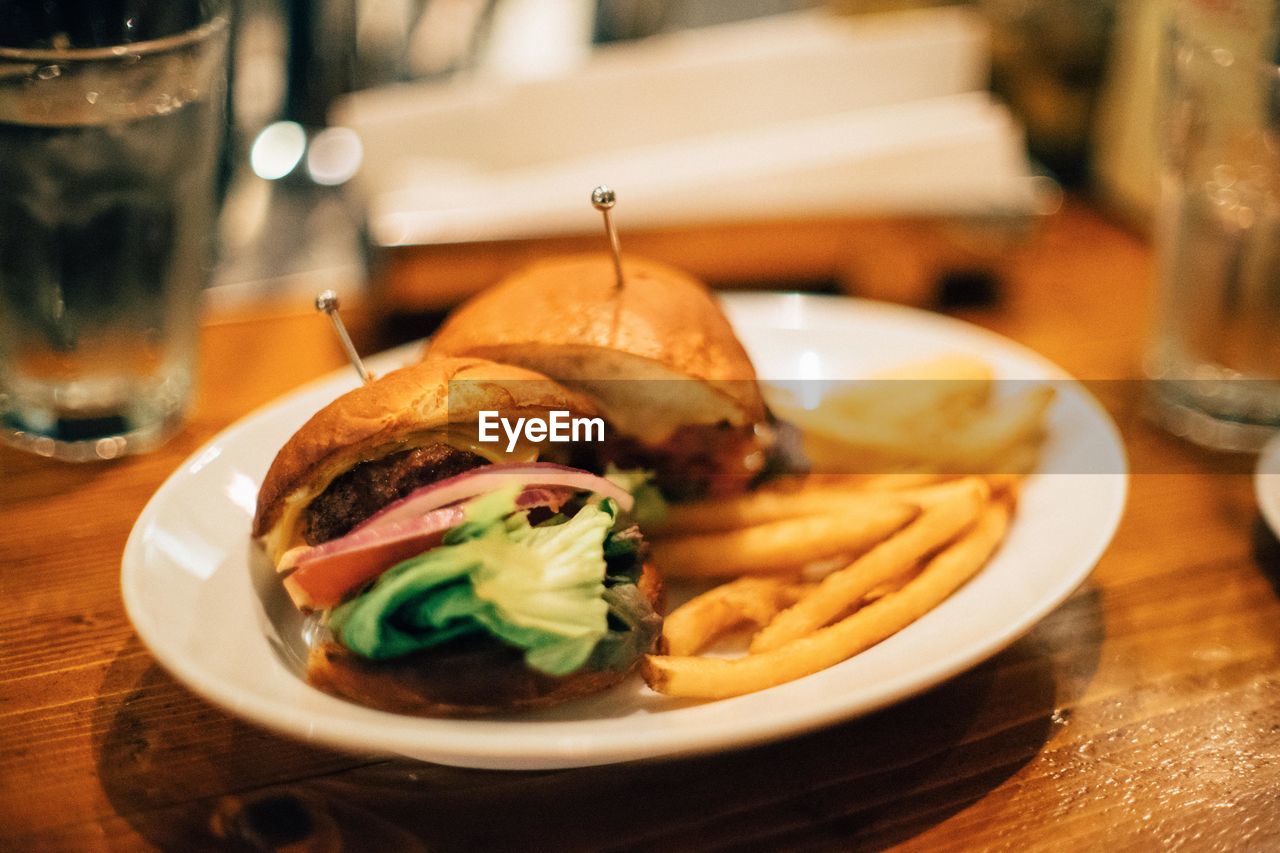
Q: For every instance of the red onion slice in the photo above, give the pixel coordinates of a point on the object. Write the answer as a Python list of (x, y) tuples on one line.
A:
[(440, 519), (326, 573), (479, 481)]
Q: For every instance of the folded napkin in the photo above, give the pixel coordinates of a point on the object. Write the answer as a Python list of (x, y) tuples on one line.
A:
[(796, 115)]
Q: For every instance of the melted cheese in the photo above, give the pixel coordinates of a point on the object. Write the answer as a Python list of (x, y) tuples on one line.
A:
[(462, 439)]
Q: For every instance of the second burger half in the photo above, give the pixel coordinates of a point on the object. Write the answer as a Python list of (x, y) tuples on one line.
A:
[(656, 356)]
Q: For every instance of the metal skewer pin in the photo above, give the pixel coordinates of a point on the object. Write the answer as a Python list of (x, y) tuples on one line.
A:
[(327, 301), (603, 199)]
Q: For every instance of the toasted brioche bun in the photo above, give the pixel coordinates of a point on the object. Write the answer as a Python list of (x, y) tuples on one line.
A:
[(478, 676), (406, 408), (568, 319)]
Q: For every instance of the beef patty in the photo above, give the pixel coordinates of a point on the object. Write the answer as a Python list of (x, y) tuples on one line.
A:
[(368, 487), (698, 460)]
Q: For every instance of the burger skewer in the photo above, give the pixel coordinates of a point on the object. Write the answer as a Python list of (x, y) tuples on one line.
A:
[(327, 302), (603, 199)]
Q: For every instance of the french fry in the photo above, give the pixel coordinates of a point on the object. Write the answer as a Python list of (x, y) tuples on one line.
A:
[(927, 497), (902, 480), (765, 506), (760, 507), (892, 481), (1002, 483), (887, 588), (711, 678), (840, 590), (779, 546), (799, 498), (748, 600)]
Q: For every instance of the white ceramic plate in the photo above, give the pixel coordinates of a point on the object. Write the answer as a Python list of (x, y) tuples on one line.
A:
[(206, 604), (1266, 481)]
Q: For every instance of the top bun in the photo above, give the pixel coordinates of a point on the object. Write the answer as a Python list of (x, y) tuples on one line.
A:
[(404, 409), (567, 318)]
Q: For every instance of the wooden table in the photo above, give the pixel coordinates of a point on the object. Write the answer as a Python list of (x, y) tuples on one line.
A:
[(1145, 711)]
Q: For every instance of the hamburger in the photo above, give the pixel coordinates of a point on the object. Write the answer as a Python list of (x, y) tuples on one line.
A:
[(657, 357), (451, 576)]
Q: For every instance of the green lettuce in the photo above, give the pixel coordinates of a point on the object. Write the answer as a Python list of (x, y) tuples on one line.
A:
[(538, 588), (650, 506)]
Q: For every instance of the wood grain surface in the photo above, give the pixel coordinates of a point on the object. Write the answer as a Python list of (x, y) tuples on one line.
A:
[(1143, 713)]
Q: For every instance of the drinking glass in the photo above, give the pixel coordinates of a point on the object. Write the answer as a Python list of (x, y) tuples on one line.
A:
[(111, 123), (1215, 353)]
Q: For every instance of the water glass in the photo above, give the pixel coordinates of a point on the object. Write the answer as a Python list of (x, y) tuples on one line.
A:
[(111, 123), (1215, 353)]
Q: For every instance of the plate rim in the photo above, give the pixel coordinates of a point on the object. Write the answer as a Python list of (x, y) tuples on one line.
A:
[(1266, 483), (670, 742)]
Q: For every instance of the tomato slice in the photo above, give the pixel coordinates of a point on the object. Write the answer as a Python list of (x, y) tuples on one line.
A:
[(328, 573)]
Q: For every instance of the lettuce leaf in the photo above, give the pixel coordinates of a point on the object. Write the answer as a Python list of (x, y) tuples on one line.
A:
[(650, 505), (540, 589), (638, 625)]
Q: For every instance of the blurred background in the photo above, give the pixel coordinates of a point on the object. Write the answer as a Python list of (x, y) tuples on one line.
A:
[(418, 149)]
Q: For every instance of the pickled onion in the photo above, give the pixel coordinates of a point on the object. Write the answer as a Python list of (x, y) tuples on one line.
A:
[(479, 481)]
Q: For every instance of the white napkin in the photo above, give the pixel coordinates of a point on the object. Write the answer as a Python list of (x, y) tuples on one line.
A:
[(797, 115)]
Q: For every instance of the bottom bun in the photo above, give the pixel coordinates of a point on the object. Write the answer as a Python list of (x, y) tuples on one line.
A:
[(467, 677)]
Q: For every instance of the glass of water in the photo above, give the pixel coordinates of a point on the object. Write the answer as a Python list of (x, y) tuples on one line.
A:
[(111, 124), (1215, 354)]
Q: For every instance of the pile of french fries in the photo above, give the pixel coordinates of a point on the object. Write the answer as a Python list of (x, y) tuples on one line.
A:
[(820, 567)]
